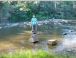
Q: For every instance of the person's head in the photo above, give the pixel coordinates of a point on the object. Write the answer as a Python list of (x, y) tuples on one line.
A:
[(33, 16)]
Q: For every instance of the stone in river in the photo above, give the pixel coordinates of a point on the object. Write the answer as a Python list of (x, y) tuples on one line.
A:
[(52, 42), (65, 34), (34, 38)]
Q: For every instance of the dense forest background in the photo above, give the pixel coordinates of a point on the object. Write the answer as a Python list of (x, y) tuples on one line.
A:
[(18, 11)]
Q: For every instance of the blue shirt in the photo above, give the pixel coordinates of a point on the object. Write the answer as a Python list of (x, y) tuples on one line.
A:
[(34, 21)]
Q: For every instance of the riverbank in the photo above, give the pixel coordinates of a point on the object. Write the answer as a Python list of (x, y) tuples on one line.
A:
[(34, 54), (27, 23)]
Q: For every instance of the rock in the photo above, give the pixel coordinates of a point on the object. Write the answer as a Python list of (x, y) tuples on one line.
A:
[(34, 38), (65, 34), (52, 42)]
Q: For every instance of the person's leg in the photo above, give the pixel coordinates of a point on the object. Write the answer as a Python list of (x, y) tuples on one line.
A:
[(34, 29)]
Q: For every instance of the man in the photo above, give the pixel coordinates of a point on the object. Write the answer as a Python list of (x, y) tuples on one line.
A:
[(34, 24)]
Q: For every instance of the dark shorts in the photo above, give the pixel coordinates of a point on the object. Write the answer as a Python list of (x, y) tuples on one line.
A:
[(34, 28)]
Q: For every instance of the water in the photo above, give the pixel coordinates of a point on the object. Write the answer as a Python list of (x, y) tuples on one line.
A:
[(68, 43), (17, 37)]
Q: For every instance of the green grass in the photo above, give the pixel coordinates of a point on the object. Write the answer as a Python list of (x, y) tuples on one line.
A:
[(32, 54)]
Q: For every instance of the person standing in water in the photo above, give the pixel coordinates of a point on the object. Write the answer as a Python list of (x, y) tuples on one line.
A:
[(34, 24)]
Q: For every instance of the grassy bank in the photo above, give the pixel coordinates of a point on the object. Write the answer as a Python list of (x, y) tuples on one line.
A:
[(32, 54)]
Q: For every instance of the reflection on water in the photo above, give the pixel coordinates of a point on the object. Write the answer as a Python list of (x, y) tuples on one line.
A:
[(18, 37)]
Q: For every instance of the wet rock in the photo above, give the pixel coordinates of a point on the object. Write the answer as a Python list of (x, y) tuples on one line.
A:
[(35, 42), (52, 42), (65, 34), (34, 38)]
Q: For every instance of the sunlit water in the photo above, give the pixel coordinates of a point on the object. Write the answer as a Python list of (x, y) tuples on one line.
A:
[(18, 37)]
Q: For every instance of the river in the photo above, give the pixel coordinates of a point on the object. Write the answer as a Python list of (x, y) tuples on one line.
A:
[(17, 37)]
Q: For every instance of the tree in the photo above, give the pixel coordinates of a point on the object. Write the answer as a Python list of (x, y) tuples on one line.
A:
[(4, 11)]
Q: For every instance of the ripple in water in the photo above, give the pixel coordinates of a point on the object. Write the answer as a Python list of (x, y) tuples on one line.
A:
[(68, 43)]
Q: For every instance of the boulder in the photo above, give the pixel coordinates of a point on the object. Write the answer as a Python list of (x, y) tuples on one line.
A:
[(52, 42)]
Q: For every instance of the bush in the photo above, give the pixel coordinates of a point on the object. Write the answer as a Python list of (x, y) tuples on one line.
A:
[(27, 54), (34, 54)]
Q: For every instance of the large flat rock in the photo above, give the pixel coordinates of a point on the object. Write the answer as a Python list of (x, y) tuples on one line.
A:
[(52, 42)]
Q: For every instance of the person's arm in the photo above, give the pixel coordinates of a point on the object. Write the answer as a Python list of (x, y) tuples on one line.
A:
[(36, 21), (31, 20)]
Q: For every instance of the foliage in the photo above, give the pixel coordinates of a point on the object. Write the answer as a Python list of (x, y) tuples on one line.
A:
[(27, 54), (18, 11), (34, 54)]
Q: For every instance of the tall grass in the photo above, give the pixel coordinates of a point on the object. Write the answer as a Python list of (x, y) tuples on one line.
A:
[(30, 54)]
